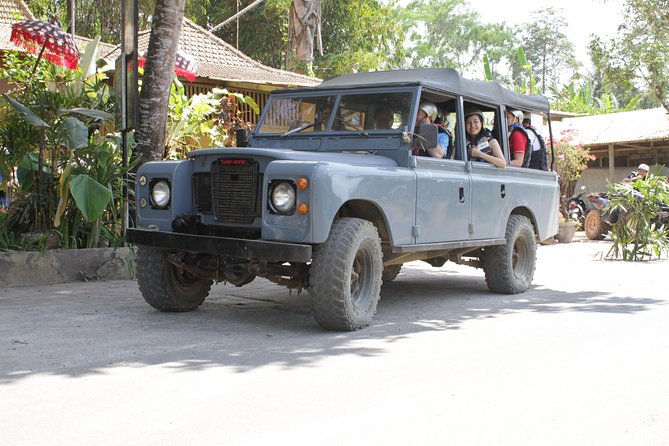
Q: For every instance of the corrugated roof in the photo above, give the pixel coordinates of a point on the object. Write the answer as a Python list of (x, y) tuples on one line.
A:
[(624, 127), (218, 60)]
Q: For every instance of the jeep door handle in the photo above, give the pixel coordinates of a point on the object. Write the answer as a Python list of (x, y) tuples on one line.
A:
[(502, 190), (462, 194)]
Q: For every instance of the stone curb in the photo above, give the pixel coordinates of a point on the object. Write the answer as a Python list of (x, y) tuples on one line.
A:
[(29, 268)]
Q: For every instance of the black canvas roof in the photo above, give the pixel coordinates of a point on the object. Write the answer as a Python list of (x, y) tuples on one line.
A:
[(439, 79)]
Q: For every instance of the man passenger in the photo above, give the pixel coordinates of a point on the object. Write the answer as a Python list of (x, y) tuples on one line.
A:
[(518, 139), (427, 111)]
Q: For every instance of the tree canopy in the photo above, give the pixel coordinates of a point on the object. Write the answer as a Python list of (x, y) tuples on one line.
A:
[(639, 54), (630, 71)]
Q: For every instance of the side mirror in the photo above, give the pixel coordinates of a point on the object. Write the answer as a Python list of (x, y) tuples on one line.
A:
[(426, 136)]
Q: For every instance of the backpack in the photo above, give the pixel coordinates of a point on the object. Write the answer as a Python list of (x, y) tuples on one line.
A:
[(528, 144), (448, 150), (538, 159)]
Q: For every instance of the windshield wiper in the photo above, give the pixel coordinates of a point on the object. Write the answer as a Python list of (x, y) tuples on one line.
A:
[(299, 129)]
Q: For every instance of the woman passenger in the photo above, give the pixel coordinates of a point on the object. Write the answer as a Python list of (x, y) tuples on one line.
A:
[(481, 146)]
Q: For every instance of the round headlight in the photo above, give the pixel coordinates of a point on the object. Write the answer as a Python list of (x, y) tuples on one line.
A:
[(283, 197), (160, 193)]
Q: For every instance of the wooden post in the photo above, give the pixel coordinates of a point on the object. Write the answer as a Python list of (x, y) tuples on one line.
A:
[(612, 162)]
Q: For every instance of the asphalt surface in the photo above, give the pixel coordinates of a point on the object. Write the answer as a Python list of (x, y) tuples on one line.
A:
[(580, 359)]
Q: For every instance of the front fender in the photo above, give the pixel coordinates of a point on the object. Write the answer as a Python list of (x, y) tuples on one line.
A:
[(331, 186), (390, 189), (181, 201)]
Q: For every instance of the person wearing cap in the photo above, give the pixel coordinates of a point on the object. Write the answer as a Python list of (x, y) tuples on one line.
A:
[(427, 111), (518, 139), (641, 173), (481, 146)]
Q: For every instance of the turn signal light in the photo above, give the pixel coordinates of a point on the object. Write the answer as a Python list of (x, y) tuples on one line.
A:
[(303, 209), (302, 183)]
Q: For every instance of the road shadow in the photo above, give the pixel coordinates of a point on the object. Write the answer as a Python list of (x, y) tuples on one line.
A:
[(77, 330)]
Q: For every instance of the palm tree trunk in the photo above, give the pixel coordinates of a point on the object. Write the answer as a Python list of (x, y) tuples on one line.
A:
[(154, 97)]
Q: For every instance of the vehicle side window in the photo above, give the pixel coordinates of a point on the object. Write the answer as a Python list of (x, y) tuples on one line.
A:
[(372, 111)]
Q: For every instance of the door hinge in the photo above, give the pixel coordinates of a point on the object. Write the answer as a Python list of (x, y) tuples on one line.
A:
[(470, 228), (415, 231)]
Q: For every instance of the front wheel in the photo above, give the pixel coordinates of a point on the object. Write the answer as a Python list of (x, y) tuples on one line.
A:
[(509, 268), (345, 275), (165, 286)]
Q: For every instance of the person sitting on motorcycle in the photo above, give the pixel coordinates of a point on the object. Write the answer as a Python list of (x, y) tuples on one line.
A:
[(641, 173)]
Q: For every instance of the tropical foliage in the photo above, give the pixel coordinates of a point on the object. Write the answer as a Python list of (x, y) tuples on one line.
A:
[(60, 155), (636, 234), (204, 120)]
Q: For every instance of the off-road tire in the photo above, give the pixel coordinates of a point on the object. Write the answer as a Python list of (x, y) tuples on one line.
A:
[(390, 272), (509, 268), (345, 275), (166, 287), (594, 227)]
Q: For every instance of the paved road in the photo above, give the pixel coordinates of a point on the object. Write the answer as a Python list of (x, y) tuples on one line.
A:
[(580, 359)]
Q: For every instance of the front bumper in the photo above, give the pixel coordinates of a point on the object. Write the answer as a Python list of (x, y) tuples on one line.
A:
[(223, 246)]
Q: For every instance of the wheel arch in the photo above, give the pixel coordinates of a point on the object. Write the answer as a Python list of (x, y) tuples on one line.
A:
[(367, 210), (526, 212)]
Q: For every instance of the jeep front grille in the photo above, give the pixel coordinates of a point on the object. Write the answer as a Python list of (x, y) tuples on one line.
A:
[(236, 188)]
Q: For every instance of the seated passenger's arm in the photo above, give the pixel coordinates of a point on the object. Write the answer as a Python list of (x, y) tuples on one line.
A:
[(437, 152), (496, 156)]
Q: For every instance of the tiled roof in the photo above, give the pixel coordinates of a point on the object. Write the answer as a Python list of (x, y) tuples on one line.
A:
[(215, 58), (624, 127), (14, 11), (218, 60)]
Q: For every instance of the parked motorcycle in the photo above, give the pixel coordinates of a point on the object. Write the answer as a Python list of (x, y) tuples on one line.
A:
[(599, 222), (578, 207)]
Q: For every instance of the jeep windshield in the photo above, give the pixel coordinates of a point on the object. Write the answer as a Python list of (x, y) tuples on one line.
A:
[(358, 113)]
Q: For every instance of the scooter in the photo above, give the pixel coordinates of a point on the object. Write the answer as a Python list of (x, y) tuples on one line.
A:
[(578, 206)]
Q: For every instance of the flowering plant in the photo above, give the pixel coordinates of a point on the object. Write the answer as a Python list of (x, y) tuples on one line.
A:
[(571, 158)]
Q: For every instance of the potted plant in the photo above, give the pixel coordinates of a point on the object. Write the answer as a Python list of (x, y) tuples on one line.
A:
[(566, 230)]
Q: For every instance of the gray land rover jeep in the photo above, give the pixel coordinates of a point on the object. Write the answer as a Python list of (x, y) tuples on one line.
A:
[(328, 199)]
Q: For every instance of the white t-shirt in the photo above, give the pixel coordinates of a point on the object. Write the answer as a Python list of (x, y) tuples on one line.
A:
[(536, 145)]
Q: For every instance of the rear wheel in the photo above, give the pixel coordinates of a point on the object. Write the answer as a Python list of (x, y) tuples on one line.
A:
[(593, 226), (165, 286), (509, 268), (345, 275)]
